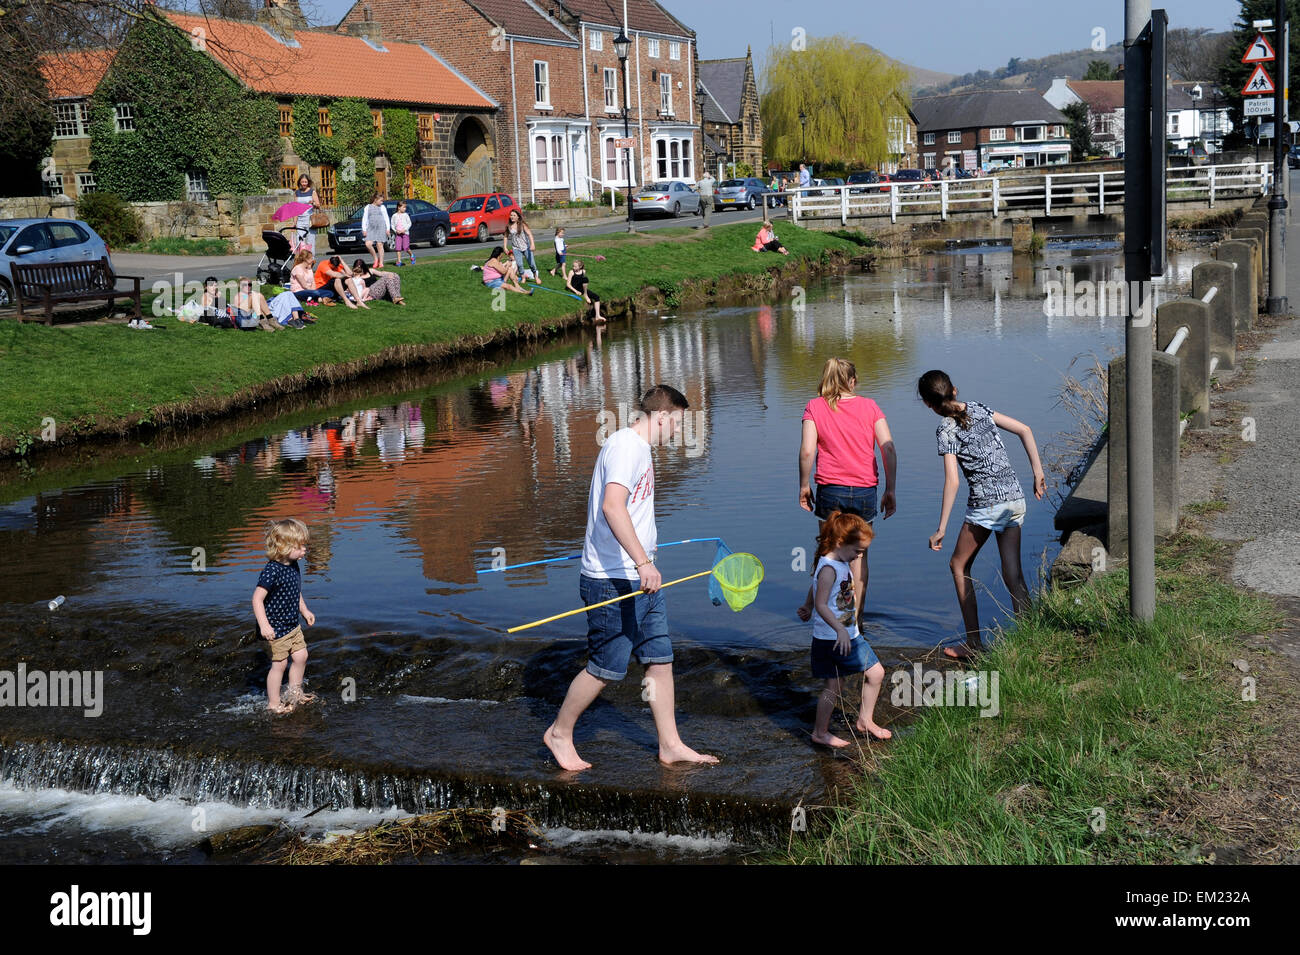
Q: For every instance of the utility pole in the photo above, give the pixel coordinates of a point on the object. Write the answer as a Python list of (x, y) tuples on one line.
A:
[(1144, 134), (1277, 203)]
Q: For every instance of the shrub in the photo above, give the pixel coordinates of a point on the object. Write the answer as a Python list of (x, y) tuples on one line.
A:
[(115, 221)]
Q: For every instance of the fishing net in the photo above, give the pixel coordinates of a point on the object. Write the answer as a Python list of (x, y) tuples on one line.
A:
[(715, 586), (737, 577)]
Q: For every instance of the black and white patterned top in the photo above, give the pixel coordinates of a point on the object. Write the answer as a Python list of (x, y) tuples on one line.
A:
[(982, 457), (282, 583)]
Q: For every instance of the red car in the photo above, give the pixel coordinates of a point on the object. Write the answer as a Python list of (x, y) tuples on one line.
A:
[(480, 217)]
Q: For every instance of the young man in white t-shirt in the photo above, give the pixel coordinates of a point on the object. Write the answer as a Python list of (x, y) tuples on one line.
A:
[(618, 559)]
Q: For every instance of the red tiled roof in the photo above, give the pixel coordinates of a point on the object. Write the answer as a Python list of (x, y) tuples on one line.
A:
[(520, 18), (325, 63), (1102, 96), (74, 74), (641, 15)]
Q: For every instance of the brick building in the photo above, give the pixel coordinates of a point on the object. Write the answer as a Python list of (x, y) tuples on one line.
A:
[(71, 78), (991, 129), (731, 114), (553, 69)]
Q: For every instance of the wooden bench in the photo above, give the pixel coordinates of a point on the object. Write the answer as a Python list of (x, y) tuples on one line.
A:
[(53, 282)]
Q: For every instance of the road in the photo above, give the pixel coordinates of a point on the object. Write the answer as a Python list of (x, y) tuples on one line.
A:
[(194, 268)]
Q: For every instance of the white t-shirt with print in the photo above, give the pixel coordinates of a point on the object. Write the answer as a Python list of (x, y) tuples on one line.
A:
[(625, 459), (840, 601)]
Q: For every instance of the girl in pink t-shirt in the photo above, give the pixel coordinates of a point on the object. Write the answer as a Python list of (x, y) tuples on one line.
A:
[(840, 433)]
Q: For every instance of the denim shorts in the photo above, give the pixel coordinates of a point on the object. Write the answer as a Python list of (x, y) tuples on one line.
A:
[(997, 517), (827, 664), (638, 625), (494, 283), (851, 500)]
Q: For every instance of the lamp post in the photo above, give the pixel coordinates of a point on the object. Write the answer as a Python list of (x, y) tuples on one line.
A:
[(621, 45), (803, 130), (699, 103)]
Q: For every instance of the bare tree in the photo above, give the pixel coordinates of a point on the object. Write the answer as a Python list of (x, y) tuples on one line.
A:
[(1190, 52)]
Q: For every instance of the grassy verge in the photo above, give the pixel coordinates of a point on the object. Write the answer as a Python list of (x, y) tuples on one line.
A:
[(105, 378), (1097, 715), (184, 246)]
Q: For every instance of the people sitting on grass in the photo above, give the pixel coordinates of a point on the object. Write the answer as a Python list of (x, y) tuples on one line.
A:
[(577, 284), (767, 241), (302, 280), (288, 311), (370, 284), (333, 274), (500, 271), (213, 303), (251, 310)]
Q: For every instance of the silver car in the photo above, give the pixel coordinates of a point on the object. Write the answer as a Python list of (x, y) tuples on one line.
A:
[(40, 241), (670, 196), (740, 194)]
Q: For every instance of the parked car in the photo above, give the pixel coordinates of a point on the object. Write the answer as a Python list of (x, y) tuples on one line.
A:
[(911, 179), (740, 193), (1293, 157), (859, 181), (670, 196), (41, 241), (959, 173), (428, 224), (480, 217), (827, 191)]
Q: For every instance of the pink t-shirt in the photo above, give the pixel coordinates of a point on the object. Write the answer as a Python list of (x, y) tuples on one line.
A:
[(846, 440)]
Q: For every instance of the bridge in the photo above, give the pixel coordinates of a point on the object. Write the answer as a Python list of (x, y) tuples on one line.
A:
[(1022, 195)]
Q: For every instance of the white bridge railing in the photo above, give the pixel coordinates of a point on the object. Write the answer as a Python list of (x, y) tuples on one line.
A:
[(1043, 193)]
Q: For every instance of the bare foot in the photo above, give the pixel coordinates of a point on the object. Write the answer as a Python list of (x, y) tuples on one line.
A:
[(563, 751), (962, 653), (279, 708), (681, 753), (876, 732), (829, 739), (298, 696)]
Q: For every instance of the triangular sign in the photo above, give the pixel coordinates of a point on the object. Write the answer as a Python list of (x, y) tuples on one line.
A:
[(1259, 82), (1259, 50)]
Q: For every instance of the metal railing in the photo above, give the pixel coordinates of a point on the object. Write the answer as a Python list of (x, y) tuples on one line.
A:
[(1048, 193)]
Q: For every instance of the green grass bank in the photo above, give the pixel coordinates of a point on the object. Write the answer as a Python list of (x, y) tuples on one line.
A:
[(106, 379)]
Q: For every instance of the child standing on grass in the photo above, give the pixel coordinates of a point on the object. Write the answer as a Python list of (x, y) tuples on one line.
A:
[(277, 602), (577, 284), (402, 233), (560, 255), (969, 442), (838, 648)]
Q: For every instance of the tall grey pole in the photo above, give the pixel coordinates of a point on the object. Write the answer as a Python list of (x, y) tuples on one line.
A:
[(1138, 142), (1277, 202)]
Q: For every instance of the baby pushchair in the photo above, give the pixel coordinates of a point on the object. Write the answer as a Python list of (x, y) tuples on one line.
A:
[(277, 263)]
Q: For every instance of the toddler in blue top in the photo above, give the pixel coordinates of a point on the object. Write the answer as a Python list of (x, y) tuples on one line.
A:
[(277, 602)]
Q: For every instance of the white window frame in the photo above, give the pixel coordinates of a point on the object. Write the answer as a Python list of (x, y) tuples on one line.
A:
[(927, 139), (652, 48), (624, 159), (1022, 133), (196, 186), (1173, 124), (611, 89), (998, 134), (928, 159), (85, 183), (53, 186), (554, 142), (954, 135), (677, 160), (597, 41), (674, 50), (542, 84), (666, 94), (79, 119), (124, 118)]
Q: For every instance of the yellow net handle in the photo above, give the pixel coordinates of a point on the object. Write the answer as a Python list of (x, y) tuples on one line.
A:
[(603, 603)]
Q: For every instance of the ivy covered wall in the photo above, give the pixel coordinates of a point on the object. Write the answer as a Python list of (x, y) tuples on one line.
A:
[(189, 114)]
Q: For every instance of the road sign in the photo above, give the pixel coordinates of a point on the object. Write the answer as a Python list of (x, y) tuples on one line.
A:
[(1259, 82), (1257, 106), (629, 143), (1259, 51)]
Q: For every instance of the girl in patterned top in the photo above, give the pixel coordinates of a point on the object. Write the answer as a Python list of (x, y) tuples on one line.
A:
[(969, 441)]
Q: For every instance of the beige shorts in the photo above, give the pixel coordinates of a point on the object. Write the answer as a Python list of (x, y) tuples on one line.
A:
[(281, 648)]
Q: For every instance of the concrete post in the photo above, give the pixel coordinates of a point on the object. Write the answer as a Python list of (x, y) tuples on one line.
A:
[(1259, 237), (1242, 253), (1223, 327), (1193, 355), (1164, 379)]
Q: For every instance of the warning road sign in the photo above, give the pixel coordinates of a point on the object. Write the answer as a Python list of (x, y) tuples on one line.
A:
[(1259, 51), (1259, 82)]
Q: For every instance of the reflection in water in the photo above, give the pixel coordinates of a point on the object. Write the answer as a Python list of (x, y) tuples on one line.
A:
[(406, 499)]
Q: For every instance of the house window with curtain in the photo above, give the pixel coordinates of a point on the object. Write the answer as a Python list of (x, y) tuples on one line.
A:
[(652, 48), (998, 134), (666, 94), (550, 164), (597, 40), (954, 135), (611, 91), (616, 161), (542, 83)]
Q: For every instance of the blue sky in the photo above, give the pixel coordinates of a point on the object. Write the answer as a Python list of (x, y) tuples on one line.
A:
[(952, 36)]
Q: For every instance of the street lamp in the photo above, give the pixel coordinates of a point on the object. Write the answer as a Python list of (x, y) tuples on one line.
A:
[(699, 102), (621, 46), (803, 130)]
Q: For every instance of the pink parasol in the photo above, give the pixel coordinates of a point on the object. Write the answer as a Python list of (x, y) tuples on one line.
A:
[(290, 210)]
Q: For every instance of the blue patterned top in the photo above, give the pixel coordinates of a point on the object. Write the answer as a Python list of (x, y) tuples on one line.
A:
[(982, 457)]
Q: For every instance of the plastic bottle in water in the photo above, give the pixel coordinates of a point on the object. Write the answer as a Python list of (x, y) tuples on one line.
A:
[(57, 602)]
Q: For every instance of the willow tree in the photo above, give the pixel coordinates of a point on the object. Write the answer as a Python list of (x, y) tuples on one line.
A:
[(848, 94)]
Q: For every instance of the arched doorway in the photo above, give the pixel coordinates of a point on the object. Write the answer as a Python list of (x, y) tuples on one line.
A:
[(472, 153)]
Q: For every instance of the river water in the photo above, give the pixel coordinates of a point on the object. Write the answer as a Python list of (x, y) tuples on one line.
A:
[(413, 485)]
